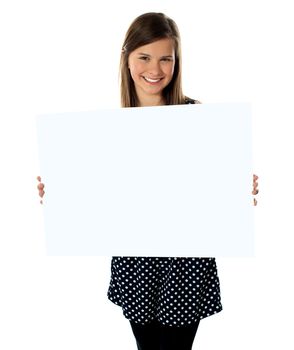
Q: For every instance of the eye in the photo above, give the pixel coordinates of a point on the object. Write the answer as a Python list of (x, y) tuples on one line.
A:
[(166, 59), (144, 58)]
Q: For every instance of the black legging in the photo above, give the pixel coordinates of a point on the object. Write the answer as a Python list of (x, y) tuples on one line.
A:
[(154, 336)]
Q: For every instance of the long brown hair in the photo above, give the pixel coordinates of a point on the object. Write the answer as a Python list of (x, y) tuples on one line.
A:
[(145, 29)]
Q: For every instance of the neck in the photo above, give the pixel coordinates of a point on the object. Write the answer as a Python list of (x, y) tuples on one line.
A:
[(151, 101)]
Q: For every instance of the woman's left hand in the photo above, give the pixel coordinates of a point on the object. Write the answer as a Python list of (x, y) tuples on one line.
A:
[(255, 190)]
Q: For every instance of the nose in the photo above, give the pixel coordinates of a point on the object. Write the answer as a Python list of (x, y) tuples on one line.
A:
[(154, 69)]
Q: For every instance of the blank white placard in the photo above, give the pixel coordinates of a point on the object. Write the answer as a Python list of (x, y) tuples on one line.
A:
[(150, 181)]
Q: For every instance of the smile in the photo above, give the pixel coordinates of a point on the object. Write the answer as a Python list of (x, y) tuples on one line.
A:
[(149, 80)]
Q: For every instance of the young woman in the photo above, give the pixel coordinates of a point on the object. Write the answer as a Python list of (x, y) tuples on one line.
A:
[(163, 298)]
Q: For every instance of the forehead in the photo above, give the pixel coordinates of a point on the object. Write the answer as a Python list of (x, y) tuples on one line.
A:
[(159, 47)]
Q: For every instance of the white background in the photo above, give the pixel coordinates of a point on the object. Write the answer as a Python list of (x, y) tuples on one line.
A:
[(63, 55)]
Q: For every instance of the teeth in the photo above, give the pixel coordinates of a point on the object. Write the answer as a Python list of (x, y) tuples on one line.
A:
[(152, 80)]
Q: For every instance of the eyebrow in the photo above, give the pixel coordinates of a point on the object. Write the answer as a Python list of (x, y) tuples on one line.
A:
[(146, 54)]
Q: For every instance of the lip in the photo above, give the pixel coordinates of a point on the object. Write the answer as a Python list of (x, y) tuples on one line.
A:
[(152, 82)]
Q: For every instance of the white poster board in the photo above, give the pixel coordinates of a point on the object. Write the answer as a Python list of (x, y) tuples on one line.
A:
[(151, 181)]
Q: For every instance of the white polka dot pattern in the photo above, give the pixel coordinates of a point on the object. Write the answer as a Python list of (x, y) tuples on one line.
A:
[(175, 291)]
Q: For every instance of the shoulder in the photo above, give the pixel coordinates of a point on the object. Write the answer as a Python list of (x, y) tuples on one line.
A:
[(189, 100)]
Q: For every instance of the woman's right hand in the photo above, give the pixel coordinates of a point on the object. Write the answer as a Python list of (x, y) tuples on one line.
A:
[(40, 188)]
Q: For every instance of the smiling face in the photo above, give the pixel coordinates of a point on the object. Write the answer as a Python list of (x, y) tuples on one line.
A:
[(151, 67)]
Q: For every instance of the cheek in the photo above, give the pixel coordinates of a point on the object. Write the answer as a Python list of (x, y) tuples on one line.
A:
[(134, 73), (136, 69), (170, 70)]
